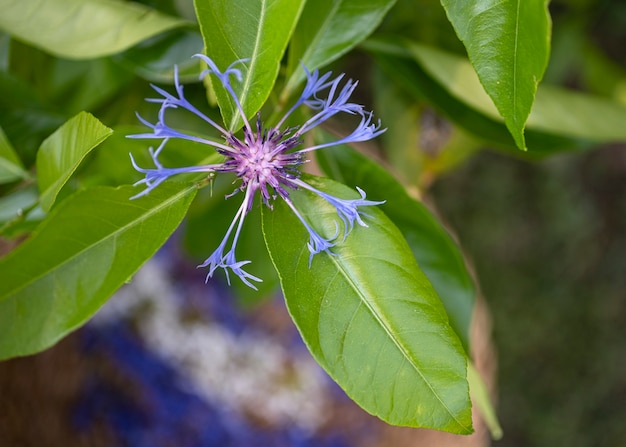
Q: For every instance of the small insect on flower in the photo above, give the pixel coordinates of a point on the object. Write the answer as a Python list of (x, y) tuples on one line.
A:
[(266, 160)]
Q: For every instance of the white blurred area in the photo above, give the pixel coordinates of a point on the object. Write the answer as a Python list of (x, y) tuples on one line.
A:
[(251, 373)]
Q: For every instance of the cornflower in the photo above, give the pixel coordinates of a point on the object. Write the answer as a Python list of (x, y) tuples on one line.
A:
[(265, 159)]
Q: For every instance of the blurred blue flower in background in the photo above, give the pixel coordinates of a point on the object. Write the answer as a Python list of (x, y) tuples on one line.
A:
[(188, 376)]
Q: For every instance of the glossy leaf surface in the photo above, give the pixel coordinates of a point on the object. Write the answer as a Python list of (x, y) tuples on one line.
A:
[(369, 315), (104, 27), (329, 29), (259, 35), (86, 249), (433, 248), (61, 153), (435, 251), (508, 43)]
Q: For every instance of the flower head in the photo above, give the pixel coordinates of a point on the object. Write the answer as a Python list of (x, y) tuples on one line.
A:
[(266, 160)]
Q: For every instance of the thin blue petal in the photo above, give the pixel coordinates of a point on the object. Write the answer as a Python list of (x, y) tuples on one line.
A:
[(317, 243), (347, 209), (365, 131), (314, 84), (226, 261), (225, 80), (331, 106), (154, 177)]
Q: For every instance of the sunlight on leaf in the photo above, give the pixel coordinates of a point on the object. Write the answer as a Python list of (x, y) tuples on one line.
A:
[(435, 251)]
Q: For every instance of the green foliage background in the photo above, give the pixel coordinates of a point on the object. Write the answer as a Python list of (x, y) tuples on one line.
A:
[(551, 267)]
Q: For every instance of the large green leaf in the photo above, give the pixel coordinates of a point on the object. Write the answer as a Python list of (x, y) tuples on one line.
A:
[(369, 315), (578, 115), (82, 29), (61, 153), (257, 30), (86, 249), (556, 110), (508, 43), (398, 63), (433, 248), (329, 29), (11, 167), (560, 118)]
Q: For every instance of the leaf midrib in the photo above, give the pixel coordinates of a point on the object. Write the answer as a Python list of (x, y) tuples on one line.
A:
[(114, 234), (253, 63), (515, 60)]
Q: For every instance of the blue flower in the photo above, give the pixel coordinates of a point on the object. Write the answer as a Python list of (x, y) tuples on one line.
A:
[(266, 160)]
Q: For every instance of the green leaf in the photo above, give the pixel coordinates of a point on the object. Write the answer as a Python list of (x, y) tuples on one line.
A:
[(11, 167), (560, 120), (508, 43), (400, 62), (480, 395), (64, 86), (435, 251), (369, 315), (85, 250), (578, 115), (257, 30), (61, 153), (82, 29), (556, 110), (327, 30)]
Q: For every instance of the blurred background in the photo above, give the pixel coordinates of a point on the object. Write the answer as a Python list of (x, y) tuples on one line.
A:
[(170, 361)]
